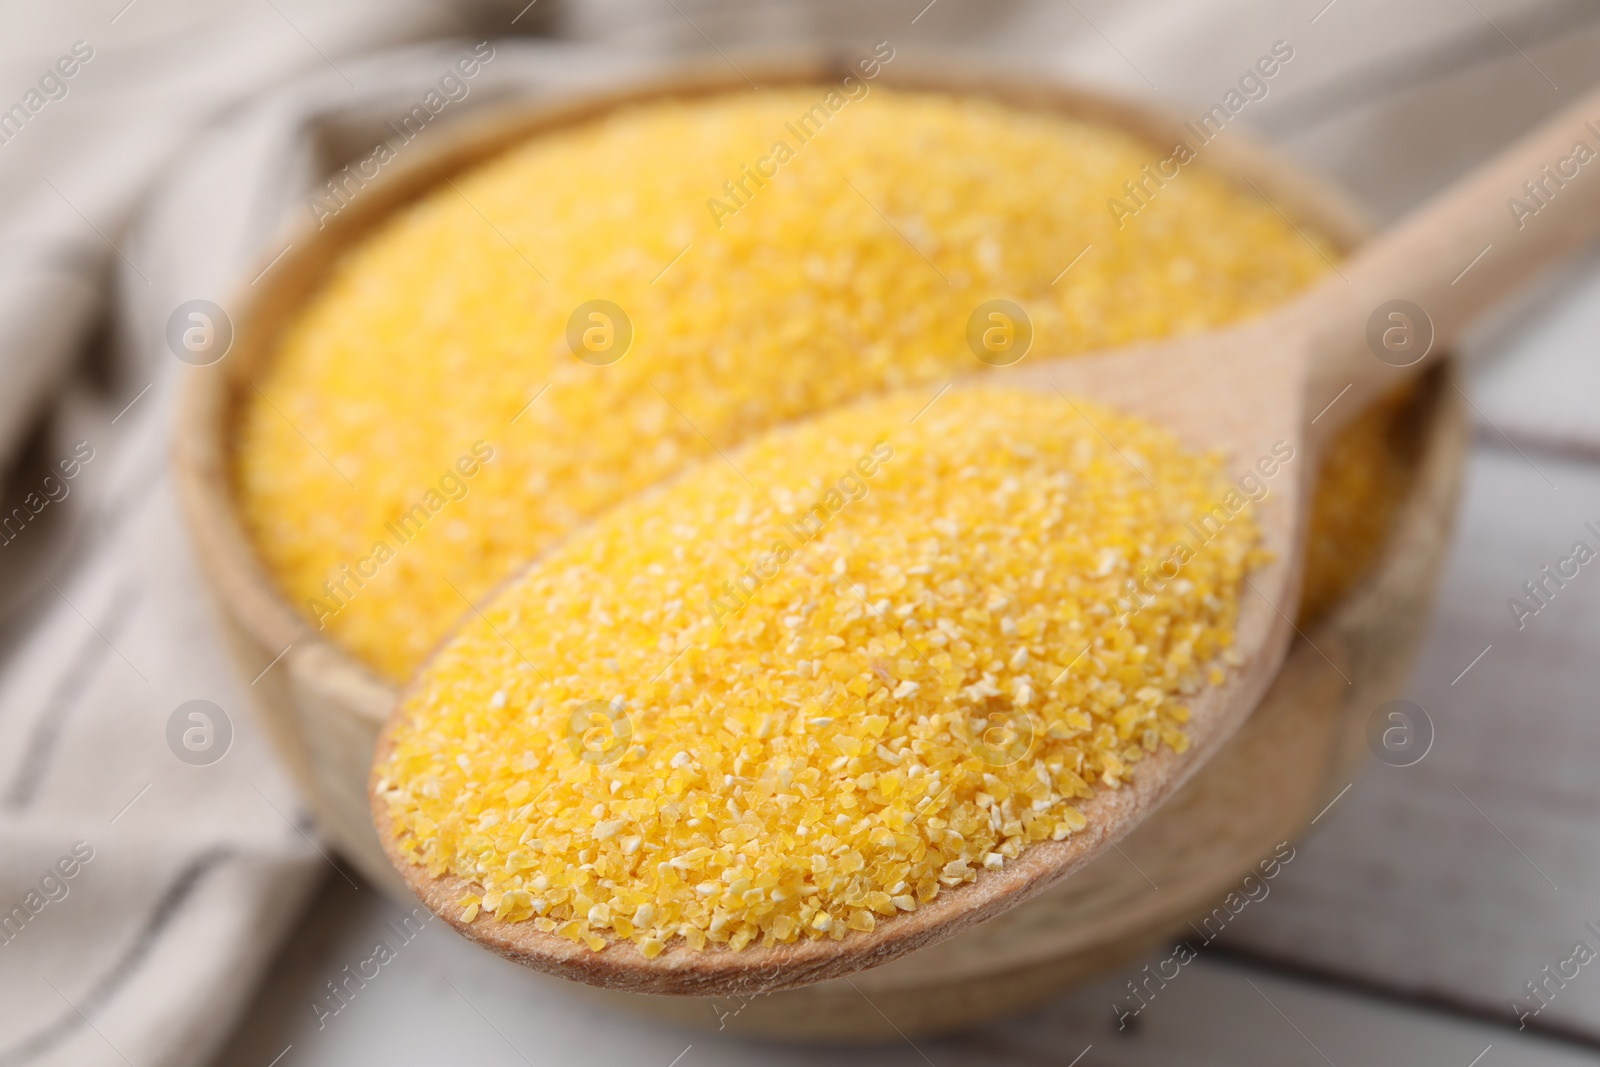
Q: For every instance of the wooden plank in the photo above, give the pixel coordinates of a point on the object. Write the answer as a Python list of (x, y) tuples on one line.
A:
[(1441, 879), (1537, 379), (440, 999)]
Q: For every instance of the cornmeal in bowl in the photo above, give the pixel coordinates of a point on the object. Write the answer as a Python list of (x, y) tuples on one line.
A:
[(441, 414)]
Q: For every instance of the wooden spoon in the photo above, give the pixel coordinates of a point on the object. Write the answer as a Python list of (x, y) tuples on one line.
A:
[(1280, 385)]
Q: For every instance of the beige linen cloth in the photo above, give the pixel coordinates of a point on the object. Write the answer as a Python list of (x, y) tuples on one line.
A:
[(141, 895), (144, 884)]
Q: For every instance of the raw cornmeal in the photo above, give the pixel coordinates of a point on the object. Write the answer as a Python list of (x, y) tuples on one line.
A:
[(667, 747), (928, 678), (851, 272)]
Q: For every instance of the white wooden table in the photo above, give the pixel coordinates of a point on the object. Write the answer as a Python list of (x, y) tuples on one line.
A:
[(444, 1001), (1428, 895)]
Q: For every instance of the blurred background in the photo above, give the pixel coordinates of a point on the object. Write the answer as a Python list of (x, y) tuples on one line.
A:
[(205, 920)]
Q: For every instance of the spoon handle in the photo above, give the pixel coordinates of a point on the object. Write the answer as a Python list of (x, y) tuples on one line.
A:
[(1405, 298)]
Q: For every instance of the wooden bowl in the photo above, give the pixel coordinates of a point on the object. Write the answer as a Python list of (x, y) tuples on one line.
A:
[(323, 709)]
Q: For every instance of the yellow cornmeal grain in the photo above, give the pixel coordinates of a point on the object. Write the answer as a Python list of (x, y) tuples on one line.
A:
[(1363, 477), (852, 272), (808, 686)]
